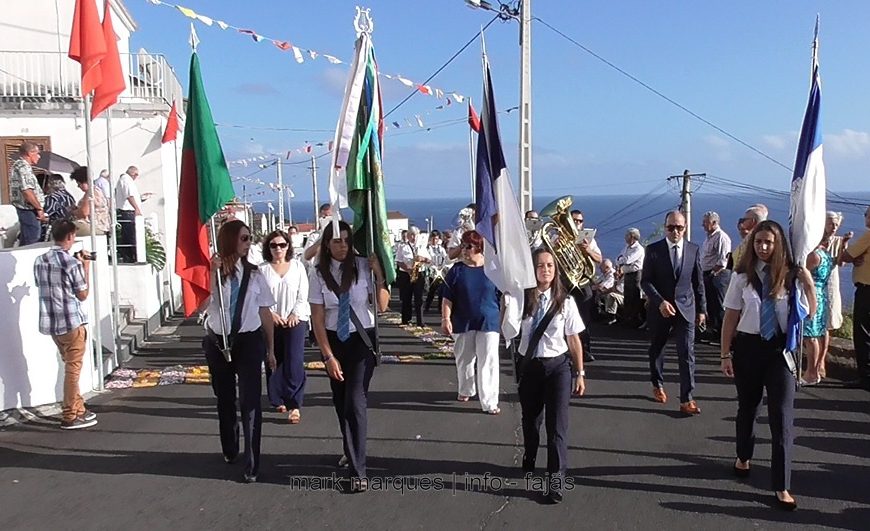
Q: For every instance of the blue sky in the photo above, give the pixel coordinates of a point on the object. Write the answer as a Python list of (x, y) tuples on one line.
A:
[(742, 65)]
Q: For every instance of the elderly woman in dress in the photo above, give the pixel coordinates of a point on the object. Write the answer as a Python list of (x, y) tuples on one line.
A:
[(834, 245), (470, 310), (288, 280)]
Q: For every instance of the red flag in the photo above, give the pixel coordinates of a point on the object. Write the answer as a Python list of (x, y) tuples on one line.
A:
[(283, 45), (473, 119), (171, 131), (106, 93), (308, 148), (86, 44)]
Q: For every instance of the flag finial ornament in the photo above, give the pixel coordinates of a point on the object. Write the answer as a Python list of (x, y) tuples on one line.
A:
[(194, 38), (363, 22)]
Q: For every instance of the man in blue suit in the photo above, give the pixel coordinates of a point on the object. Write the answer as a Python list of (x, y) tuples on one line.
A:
[(674, 285)]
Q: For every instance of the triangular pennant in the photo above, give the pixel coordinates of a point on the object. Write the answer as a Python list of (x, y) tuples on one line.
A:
[(406, 82), (312, 54), (189, 13), (332, 59), (205, 20), (297, 53), (283, 45), (223, 25)]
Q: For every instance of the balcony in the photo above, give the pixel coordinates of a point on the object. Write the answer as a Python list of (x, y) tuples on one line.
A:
[(52, 77)]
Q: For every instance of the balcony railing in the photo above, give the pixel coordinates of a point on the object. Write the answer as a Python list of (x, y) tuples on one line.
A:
[(47, 76)]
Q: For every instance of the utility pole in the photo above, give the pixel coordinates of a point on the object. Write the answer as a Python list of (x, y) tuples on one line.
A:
[(280, 195), (314, 188), (686, 198), (525, 105)]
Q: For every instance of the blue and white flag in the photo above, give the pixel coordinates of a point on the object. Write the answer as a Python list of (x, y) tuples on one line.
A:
[(807, 209), (508, 261)]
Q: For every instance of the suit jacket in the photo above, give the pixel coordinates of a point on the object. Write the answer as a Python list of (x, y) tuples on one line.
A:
[(659, 283)]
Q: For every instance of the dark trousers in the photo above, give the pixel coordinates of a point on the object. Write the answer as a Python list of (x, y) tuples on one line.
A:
[(586, 304), (286, 386), (411, 295), (633, 309), (684, 334), (759, 364), (434, 289), (127, 242), (249, 351), (545, 393), (715, 287), (861, 332), (350, 396), (29, 227)]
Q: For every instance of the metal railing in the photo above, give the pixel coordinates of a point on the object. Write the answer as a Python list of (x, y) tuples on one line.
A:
[(52, 75)]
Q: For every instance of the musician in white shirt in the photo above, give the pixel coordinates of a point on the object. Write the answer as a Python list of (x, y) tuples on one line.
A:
[(339, 296), (410, 256), (545, 370), (630, 263), (251, 338), (437, 268)]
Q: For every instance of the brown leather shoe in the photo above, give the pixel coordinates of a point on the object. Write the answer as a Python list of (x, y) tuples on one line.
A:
[(690, 408), (659, 395)]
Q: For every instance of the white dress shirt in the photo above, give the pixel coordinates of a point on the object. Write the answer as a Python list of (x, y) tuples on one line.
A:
[(565, 323), (258, 296), (715, 250), (126, 187), (290, 291), (407, 252), (631, 259), (319, 293), (742, 296)]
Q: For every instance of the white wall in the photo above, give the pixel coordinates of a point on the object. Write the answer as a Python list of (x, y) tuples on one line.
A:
[(31, 371)]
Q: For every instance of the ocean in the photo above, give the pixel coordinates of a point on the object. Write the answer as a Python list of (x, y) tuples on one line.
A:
[(612, 215)]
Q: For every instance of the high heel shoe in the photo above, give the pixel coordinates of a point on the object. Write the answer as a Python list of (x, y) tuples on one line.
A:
[(741, 472), (785, 505)]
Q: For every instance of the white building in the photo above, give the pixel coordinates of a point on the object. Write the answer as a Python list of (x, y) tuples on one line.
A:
[(40, 101)]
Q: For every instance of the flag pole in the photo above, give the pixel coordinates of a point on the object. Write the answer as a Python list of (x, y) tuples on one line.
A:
[(370, 248), (113, 252), (227, 351), (98, 339), (471, 159)]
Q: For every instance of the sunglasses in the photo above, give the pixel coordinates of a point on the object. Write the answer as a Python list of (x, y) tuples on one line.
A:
[(245, 237), (676, 228), (276, 245), (578, 220)]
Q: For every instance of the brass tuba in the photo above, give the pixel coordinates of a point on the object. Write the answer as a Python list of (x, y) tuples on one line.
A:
[(559, 235)]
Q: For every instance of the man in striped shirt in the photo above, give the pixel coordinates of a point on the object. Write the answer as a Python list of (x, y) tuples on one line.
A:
[(63, 279)]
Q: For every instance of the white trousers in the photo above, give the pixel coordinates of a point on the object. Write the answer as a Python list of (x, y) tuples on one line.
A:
[(482, 347)]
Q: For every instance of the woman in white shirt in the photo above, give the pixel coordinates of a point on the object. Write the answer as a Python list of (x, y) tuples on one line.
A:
[(288, 281), (545, 370), (341, 286), (755, 325), (247, 320)]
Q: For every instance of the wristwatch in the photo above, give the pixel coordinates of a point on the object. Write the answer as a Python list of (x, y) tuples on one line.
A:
[(581, 374)]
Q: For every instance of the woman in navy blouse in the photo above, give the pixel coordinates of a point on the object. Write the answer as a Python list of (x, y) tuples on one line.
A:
[(470, 312)]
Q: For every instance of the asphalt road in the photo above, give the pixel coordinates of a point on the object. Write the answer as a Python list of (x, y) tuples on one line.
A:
[(154, 462)]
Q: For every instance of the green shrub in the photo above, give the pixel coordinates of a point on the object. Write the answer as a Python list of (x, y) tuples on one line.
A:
[(845, 331)]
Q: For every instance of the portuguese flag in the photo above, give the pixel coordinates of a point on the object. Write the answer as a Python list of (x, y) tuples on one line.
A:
[(204, 189)]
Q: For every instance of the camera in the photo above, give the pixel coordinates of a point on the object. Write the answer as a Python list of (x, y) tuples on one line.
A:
[(85, 255)]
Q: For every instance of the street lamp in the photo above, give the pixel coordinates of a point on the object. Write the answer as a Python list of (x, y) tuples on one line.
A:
[(523, 14)]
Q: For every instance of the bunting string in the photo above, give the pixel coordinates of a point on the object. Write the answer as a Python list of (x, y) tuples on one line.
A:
[(299, 54)]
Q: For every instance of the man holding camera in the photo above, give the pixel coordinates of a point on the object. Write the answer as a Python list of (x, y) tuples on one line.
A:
[(63, 280)]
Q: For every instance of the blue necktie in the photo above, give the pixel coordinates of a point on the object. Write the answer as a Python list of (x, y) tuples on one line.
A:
[(539, 316), (343, 316), (769, 323), (234, 295)]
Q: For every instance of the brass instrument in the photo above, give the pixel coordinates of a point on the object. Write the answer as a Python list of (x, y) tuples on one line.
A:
[(416, 270), (559, 235)]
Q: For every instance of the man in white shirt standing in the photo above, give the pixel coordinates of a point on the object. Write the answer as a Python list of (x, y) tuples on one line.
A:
[(127, 201), (410, 256), (714, 258), (584, 299), (630, 263)]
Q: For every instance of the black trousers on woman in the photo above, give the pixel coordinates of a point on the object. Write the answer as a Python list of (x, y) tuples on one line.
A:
[(249, 352), (350, 397), (545, 394), (759, 365)]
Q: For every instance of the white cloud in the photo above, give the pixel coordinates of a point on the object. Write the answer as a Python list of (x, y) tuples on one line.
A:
[(781, 141), (721, 147), (849, 143)]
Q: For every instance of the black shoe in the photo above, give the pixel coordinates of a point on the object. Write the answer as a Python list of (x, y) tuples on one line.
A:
[(229, 459), (358, 485), (554, 497), (89, 415), (741, 472), (78, 423), (528, 465), (785, 505), (343, 462), (250, 478)]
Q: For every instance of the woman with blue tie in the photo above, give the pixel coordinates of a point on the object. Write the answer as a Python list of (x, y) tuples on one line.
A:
[(545, 370), (247, 320), (753, 342), (343, 323)]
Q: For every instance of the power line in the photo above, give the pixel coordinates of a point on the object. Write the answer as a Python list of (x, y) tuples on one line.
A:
[(430, 78)]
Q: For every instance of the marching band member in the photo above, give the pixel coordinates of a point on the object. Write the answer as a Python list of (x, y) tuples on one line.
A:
[(344, 325), (466, 223), (249, 316), (438, 267), (583, 297), (411, 260), (545, 371), (753, 332)]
